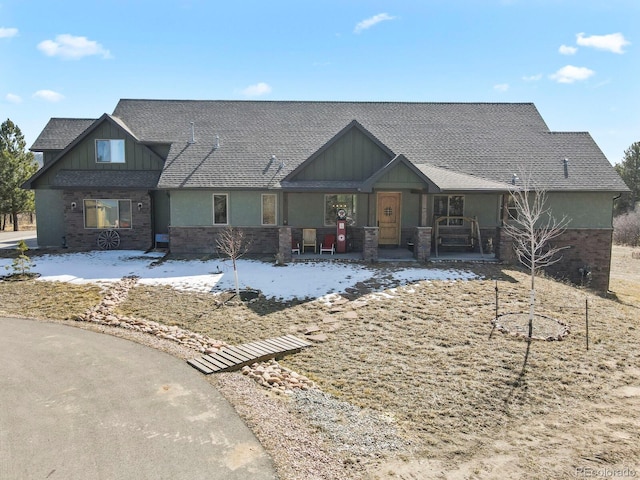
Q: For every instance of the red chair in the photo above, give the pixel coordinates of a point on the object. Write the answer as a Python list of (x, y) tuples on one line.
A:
[(328, 244)]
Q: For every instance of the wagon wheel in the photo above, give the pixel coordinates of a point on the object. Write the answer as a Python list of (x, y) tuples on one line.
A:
[(108, 239)]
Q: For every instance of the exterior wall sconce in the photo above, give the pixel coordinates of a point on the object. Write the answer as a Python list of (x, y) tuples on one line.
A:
[(139, 206), (73, 205)]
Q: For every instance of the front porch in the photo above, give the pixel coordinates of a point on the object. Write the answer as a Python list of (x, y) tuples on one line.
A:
[(392, 255), (418, 250)]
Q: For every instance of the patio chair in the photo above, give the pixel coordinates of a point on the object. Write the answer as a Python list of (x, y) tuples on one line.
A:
[(295, 247), (309, 239), (328, 244)]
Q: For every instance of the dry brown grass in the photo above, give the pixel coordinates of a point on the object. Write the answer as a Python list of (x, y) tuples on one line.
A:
[(46, 300), (426, 356)]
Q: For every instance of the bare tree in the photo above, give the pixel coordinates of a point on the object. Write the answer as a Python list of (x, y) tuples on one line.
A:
[(233, 243), (532, 227)]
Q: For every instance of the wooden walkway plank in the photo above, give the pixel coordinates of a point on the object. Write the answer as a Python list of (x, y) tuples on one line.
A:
[(253, 352), (235, 357), (196, 363), (214, 361), (299, 341), (228, 357), (238, 353), (266, 347), (283, 345)]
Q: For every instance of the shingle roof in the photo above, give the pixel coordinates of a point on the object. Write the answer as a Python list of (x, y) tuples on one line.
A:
[(487, 141), (60, 132)]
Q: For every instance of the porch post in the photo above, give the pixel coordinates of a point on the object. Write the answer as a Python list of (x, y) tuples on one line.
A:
[(422, 243), (370, 249), (284, 244)]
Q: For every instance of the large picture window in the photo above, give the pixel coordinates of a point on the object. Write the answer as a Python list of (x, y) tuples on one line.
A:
[(333, 203), (107, 213), (269, 209), (110, 151), (220, 209), (449, 206)]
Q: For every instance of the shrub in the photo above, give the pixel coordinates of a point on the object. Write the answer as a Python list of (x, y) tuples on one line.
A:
[(626, 229)]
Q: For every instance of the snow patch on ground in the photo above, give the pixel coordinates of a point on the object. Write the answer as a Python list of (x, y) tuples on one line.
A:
[(316, 280)]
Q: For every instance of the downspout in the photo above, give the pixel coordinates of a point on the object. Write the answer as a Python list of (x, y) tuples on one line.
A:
[(613, 203), (152, 218)]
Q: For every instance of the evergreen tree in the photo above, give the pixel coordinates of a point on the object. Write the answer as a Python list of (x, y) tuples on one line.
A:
[(16, 166), (629, 170)]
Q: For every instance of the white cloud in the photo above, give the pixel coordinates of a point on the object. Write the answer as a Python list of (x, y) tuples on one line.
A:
[(8, 32), (567, 50), (571, 74), (370, 22), (12, 98), (257, 90), (614, 42), (501, 87), (532, 78), (48, 95), (70, 47)]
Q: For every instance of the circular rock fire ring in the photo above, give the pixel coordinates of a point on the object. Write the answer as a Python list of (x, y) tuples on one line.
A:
[(544, 327)]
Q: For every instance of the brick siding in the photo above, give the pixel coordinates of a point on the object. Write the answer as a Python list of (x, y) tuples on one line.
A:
[(138, 237), (589, 251)]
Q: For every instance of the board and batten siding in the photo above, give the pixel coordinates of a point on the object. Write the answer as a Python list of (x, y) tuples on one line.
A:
[(83, 155), (351, 157)]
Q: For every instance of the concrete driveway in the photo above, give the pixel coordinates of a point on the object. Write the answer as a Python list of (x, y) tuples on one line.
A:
[(9, 239), (77, 404)]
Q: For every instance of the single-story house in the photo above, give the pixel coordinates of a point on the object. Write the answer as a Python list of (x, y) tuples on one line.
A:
[(428, 175)]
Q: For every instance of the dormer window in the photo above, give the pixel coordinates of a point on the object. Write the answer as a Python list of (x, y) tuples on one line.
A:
[(109, 151)]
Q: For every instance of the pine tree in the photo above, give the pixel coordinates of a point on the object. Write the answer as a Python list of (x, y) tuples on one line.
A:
[(629, 170), (16, 166)]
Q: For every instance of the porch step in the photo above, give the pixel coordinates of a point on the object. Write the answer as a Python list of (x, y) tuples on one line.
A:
[(234, 358)]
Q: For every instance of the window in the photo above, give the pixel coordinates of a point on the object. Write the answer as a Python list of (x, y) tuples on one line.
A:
[(268, 209), (509, 209), (449, 206), (100, 213), (333, 203), (110, 151), (220, 209)]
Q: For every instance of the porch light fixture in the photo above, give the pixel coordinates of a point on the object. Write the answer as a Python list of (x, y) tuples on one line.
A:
[(139, 206), (73, 205)]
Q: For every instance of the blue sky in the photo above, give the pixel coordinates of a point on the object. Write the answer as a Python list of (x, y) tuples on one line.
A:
[(577, 60)]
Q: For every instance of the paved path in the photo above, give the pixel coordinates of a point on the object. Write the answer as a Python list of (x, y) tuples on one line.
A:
[(76, 404), (9, 238)]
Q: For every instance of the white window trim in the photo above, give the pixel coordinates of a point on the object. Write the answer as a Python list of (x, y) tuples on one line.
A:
[(124, 159), (213, 206), (262, 209)]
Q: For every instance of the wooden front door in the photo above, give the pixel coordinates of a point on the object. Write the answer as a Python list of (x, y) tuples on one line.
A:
[(389, 218)]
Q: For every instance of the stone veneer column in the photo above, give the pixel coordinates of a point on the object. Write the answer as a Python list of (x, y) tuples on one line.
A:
[(422, 243), (370, 244), (284, 243)]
